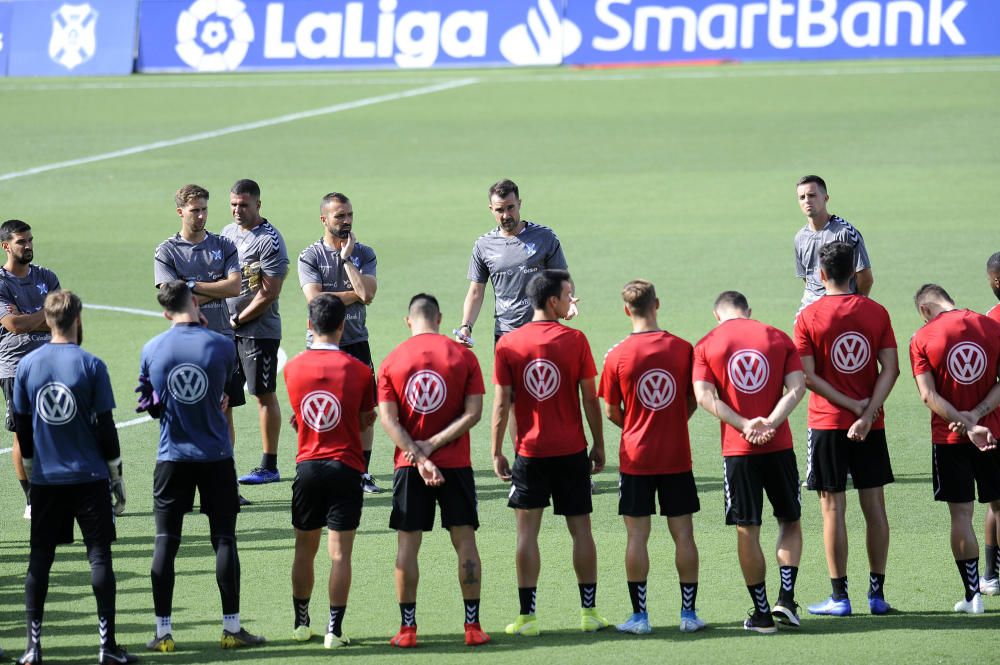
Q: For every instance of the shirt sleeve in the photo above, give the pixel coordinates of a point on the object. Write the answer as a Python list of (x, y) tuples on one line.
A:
[(164, 269), (888, 340), (588, 369), (803, 343), (22, 403), (273, 257), (230, 256), (104, 397), (52, 281), (386, 392), (701, 369), (368, 261), (555, 258), (478, 270), (6, 300), (367, 398), (793, 363), (308, 270), (474, 384), (609, 389), (918, 358), (501, 371), (800, 268), (861, 253)]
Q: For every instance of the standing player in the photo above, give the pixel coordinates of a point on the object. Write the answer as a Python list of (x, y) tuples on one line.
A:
[(330, 393), (210, 265), (549, 368), (749, 376), (843, 339), (508, 256), (650, 373), (430, 396), (62, 406), (338, 264), (23, 288), (821, 229), (989, 585), (254, 316), (188, 368), (955, 359)]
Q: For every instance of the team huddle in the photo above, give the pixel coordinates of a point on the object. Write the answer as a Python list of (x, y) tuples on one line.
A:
[(220, 293)]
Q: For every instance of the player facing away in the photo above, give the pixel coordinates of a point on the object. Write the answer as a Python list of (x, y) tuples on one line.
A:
[(183, 374), (254, 317), (62, 406), (23, 287), (821, 229), (330, 393), (989, 584), (210, 266), (545, 369), (848, 351), (646, 387), (430, 396), (749, 376), (956, 360), (337, 263)]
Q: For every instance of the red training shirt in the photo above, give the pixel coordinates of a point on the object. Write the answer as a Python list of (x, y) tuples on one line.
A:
[(650, 372), (544, 362), (747, 362), (843, 334), (961, 350), (329, 390), (428, 377)]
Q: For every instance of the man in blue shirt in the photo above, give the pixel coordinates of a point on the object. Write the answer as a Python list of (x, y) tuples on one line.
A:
[(183, 376), (69, 445)]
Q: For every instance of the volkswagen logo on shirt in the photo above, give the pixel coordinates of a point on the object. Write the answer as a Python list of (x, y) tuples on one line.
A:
[(748, 370), (320, 410), (541, 378), (966, 362), (656, 389), (55, 403), (850, 352), (426, 391), (188, 383)]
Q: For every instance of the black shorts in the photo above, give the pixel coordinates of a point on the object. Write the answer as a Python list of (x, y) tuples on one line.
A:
[(7, 385), (326, 493), (174, 484), (566, 479), (961, 468), (258, 363), (54, 507), (234, 387), (748, 477), (677, 493), (413, 501), (363, 352), (831, 456)]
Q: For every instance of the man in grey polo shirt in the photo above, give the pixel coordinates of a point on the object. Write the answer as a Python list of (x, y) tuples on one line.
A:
[(821, 229), (254, 316), (508, 256), (23, 287), (337, 263)]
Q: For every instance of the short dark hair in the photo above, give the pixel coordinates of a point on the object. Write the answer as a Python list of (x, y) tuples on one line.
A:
[(11, 227), (326, 313), (504, 187), (837, 261), (62, 309), (546, 284), (993, 264), (931, 292), (733, 299), (174, 296), (333, 196), (640, 296), (810, 180), (246, 186), (424, 305), (189, 193)]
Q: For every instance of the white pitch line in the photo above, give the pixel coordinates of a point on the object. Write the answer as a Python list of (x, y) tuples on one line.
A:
[(242, 127), (126, 310)]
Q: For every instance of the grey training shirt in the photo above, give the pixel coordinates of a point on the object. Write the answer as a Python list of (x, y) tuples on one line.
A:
[(808, 244), (261, 252), (321, 264), (211, 260), (510, 262), (27, 295)]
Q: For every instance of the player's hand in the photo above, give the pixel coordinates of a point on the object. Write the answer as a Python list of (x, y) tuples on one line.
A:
[(758, 431), (462, 337), (430, 473), (596, 460), (859, 406), (859, 429), (117, 484), (982, 438), (573, 311), (501, 467), (224, 402), (348, 248), (293, 422), (201, 318), (426, 447), (148, 401)]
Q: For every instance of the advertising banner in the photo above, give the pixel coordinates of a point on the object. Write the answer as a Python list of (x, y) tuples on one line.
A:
[(4, 36), (56, 38)]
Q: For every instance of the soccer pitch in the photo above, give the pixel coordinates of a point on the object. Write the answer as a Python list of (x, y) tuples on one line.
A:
[(682, 176)]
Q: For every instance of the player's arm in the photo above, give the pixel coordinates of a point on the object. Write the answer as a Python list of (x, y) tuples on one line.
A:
[(223, 288), (364, 285), (498, 429), (472, 413), (795, 390), (979, 435), (592, 410), (471, 307), (754, 430), (270, 289), (18, 323), (863, 280), (614, 413), (888, 360), (692, 402), (389, 417), (821, 387)]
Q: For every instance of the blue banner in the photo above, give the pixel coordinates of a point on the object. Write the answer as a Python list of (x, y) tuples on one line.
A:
[(72, 38), (4, 37)]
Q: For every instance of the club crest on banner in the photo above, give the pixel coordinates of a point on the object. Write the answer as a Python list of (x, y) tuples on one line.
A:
[(74, 36)]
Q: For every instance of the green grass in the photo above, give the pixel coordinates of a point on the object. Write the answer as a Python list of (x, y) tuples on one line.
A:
[(685, 177)]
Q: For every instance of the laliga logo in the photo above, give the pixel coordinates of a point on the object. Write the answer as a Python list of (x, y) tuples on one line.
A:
[(541, 379), (214, 35), (426, 391), (320, 410), (967, 362), (748, 370), (188, 383), (545, 40), (656, 389), (55, 403), (73, 41), (850, 352)]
